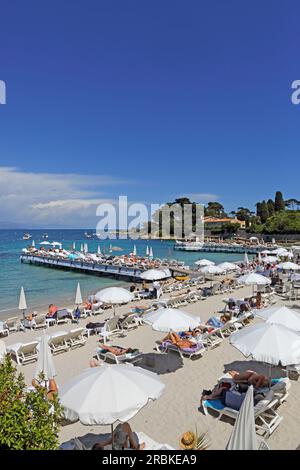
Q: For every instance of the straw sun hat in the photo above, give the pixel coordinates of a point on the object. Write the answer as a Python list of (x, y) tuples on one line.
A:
[(188, 440)]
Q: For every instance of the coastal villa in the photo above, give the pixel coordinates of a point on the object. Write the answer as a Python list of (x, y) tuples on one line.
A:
[(218, 223)]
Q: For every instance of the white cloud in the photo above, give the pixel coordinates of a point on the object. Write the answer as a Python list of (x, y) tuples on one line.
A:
[(52, 199)]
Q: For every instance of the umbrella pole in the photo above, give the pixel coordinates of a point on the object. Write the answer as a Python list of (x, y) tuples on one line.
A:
[(112, 436)]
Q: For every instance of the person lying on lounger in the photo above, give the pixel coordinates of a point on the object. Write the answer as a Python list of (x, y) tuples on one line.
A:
[(123, 438), (175, 339), (251, 378), (215, 393), (116, 350)]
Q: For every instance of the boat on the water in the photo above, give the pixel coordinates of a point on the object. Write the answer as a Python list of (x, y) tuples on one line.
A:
[(45, 235), (88, 235), (27, 236)]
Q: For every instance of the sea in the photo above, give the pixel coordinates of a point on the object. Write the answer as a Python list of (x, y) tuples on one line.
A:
[(44, 285)]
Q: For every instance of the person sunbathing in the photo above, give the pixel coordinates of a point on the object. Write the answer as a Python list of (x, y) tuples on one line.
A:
[(251, 378), (123, 438), (116, 350), (215, 393), (179, 342)]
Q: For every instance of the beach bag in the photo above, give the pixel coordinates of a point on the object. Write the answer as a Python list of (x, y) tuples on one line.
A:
[(234, 399)]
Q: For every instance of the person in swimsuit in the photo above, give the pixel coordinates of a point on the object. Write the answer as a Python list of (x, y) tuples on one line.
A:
[(123, 438)]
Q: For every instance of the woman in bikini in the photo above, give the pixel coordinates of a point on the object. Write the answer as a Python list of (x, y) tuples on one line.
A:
[(251, 378)]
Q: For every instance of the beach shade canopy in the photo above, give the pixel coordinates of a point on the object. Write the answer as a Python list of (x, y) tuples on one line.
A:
[(45, 363), (211, 270), (281, 316), (78, 297), (204, 262), (109, 393), (246, 259), (22, 300), (288, 266), (154, 274), (45, 243), (243, 436), (228, 266), (270, 343), (171, 319), (114, 295), (253, 279)]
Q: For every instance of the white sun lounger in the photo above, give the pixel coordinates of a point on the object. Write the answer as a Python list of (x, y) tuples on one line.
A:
[(75, 338), (128, 357), (58, 343), (23, 353), (166, 347)]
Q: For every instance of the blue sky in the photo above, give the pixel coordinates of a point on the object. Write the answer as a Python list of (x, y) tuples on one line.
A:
[(149, 99)]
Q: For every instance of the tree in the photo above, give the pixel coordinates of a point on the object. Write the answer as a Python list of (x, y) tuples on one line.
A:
[(264, 212), (271, 207), (214, 209), (28, 420), (243, 213), (279, 202), (283, 222)]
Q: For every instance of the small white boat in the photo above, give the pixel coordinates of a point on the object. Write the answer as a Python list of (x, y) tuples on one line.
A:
[(27, 236), (45, 235)]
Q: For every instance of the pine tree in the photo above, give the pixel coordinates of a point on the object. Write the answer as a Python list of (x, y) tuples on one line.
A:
[(279, 202), (271, 207)]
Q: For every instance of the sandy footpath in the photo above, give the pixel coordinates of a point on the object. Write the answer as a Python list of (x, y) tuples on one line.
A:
[(177, 410)]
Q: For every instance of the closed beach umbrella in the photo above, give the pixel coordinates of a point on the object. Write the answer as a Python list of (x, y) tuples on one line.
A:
[(288, 266), (134, 251), (45, 363), (281, 316), (147, 251), (259, 257), (81, 247), (151, 252), (74, 246), (99, 250), (78, 297), (204, 262), (171, 319), (270, 343), (110, 393), (246, 259), (22, 300), (33, 244), (243, 436), (86, 248), (114, 296), (154, 274)]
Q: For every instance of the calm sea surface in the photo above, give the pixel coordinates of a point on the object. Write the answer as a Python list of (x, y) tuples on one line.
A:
[(44, 286)]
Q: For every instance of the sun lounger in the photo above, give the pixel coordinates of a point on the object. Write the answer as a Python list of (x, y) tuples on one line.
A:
[(165, 346), (150, 444), (12, 324), (58, 343), (129, 322), (4, 331), (133, 357), (23, 353), (75, 338), (62, 316), (40, 322), (212, 339)]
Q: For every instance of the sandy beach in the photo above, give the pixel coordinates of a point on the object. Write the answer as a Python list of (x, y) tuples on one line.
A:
[(177, 410)]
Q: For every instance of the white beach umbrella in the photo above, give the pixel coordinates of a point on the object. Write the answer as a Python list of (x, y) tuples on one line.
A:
[(266, 252), (150, 252), (212, 269), (45, 363), (109, 393), (78, 297), (288, 266), (243, 436), (268, 342), (81, 247), (253, 279), (246, 259), (281, 315), (22, 300), (204, 262), (99, 250), (73, 246), (114, 296), (134, 251), (270, 259), (45, 243), (154, 274), (171, 319), (147, 250), (33, 244), (228, 266), (56, 244), (86, 248), (279, 251)]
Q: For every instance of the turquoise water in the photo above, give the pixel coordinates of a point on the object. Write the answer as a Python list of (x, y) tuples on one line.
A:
[(44, 286)]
